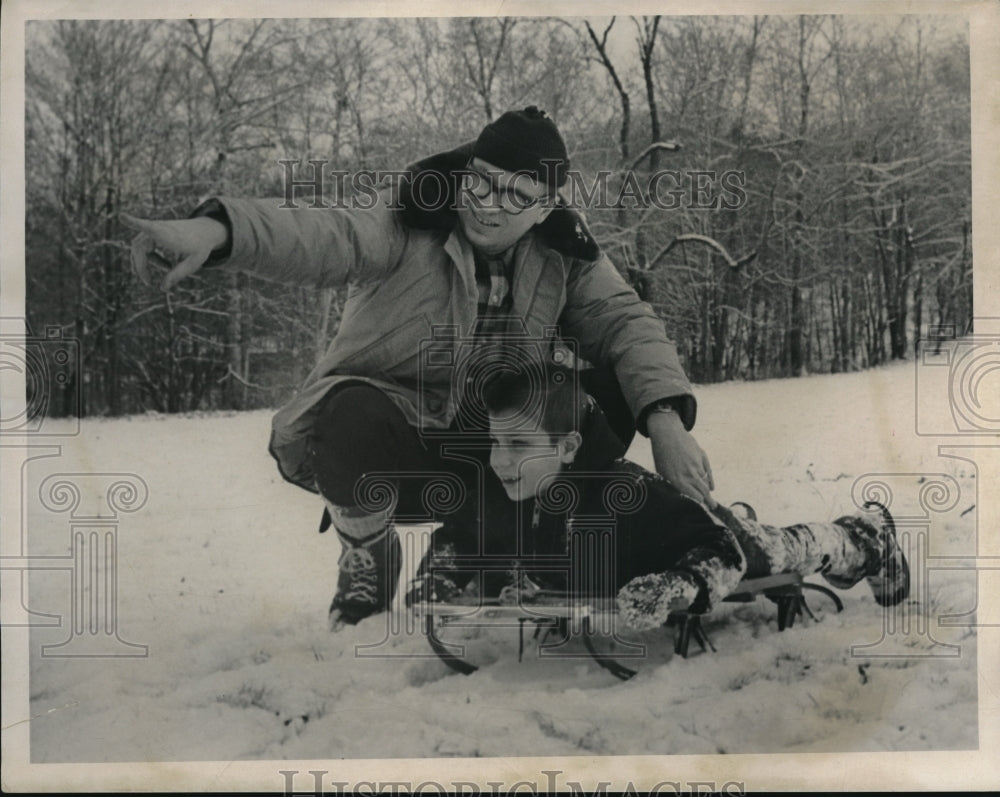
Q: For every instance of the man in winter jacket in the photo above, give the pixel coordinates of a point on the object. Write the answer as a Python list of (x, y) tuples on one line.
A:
[(472, 264), (563, 473)]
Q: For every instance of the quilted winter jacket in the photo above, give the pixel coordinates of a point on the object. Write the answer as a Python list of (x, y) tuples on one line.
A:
[(412, 302)]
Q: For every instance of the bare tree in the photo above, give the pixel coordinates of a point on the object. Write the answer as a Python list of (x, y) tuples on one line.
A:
[(601, 45), (851, 138)]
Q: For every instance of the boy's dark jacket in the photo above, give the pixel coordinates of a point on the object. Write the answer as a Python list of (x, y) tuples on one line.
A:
[(605, 497)]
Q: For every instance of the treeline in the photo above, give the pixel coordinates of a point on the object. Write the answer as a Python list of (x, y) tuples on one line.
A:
[(842, 142)]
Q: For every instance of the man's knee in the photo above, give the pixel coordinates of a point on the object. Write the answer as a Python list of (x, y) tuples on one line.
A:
[(354, 411), (357, 430)]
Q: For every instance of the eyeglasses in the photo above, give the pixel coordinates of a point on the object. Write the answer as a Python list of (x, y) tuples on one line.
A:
[(506, 197)]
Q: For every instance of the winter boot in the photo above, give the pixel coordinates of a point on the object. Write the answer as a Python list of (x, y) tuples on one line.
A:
[(647, 601), (889, 574), (432, 587), (743, 510), (886, 569), (447, 573), (370, 563), (435, 581)]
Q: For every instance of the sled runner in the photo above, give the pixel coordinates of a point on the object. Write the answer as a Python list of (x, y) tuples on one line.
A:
[(588, 616)]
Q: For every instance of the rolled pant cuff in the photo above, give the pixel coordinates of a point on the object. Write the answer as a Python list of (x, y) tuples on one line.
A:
[(357, 526)]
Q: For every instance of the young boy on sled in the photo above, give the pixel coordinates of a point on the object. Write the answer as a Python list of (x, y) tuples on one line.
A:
[(562, 468)]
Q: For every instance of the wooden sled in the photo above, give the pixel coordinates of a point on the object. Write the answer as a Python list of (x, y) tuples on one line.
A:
[(551, 610)]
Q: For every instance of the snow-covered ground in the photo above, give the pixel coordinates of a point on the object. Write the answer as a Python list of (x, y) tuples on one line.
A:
[(222, 575)]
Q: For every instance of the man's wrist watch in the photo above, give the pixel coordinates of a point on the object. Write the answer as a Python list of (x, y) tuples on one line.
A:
[(662, 405)]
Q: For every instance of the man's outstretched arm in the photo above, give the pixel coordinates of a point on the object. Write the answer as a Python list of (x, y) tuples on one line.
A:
[(325, 248)]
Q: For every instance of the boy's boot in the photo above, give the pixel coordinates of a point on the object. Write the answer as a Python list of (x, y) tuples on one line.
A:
[(889, 574), (886, 569), (369, 564)]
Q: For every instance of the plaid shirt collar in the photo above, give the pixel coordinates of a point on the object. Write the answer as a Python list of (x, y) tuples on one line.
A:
[(493, 278)]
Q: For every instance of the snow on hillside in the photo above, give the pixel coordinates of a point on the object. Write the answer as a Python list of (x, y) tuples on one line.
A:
[(222, 574)]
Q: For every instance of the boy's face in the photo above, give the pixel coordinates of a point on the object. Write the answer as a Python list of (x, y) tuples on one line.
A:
[(525, 461)]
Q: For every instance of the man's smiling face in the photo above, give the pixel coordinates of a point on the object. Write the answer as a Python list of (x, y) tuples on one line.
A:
[(496, 208)]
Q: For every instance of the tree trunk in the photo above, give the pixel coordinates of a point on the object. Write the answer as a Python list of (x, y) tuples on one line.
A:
[(646, 45), (112, 299)]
